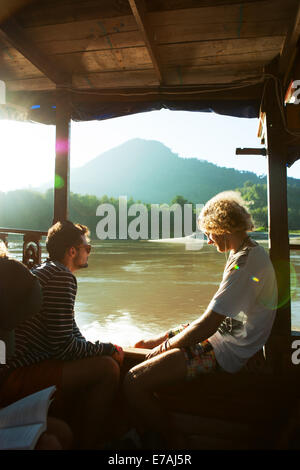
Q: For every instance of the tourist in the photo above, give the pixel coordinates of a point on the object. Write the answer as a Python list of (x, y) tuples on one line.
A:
[(50, 349), (20, 298), (234, 327)]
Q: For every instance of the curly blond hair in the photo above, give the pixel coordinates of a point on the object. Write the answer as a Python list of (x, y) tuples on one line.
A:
[(225, 213), (3, 250)]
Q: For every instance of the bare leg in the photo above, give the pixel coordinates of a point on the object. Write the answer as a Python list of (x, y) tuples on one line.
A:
[(94, 382), (48, 442), (143, 380), (57, 437)]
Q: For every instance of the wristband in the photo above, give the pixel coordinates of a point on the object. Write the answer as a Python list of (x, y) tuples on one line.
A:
[(165, 346), (117, 349), (108, 349), (177, 330)]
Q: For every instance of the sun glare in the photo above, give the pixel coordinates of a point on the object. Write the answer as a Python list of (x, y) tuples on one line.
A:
[(27, 154), (28, 149)]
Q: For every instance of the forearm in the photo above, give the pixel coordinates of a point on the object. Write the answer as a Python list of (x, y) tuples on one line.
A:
[(189, 336), (79, 348), (200, 330)]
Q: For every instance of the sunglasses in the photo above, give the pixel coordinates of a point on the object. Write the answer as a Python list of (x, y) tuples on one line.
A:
[(86, 247), (208, 236)]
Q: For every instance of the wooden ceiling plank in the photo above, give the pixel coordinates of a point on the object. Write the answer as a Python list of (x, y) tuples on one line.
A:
[(90, 43), (289, 49), (212, 53), (46, 12), (85, 37), (212, 75), (179, 53), (98, 27), (11, 32), (203, 24), (257, 12), (105, 60), (165, 34), (130, 78), (139, 12), (32, 84), (157, 5), (92, 65), (14, 65), (186, 77), (242, 59), (139, 59)]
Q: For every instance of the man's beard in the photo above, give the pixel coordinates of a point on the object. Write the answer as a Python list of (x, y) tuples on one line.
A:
[(81, 266), (78, 265)]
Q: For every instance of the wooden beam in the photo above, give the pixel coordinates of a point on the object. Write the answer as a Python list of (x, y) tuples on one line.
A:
[(62, 159), (149, 94), (11, 32), (86, 104), (278, 347), (139, 12), (289, 49)]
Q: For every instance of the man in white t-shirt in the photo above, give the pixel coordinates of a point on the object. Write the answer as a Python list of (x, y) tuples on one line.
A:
[(235, 325), (247, 296)]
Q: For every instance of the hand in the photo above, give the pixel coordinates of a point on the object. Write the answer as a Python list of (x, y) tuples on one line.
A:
[(118, 355), (151, 343), (163, 347)]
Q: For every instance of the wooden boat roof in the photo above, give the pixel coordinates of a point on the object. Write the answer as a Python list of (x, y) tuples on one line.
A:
[(117, 57)]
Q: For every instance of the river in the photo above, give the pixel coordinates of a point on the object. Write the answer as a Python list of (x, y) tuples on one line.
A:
[(135, 289)]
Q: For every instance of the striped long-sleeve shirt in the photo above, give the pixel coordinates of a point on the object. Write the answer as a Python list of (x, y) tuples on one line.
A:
[(53, 332)]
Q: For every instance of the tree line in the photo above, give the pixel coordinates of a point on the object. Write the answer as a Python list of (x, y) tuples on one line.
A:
[(27, 209)]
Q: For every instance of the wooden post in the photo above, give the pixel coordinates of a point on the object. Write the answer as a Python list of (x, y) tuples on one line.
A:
[(62, 160), (278, 347)]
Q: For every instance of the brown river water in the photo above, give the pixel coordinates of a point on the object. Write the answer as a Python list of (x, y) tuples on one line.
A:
[(135, 289)]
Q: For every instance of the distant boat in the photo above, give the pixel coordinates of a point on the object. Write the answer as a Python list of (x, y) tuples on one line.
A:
[(196, 238)]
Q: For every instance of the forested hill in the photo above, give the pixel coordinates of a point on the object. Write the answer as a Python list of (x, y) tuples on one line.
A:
[(145, 171), (148, 171)]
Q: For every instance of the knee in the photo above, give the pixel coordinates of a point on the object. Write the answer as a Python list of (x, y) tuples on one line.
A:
[(111, 370), (130, 383), (105, 370), (61, 431)]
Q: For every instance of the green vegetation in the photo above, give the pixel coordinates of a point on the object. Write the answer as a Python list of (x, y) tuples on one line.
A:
[(146, 171), (26, 209), (256, 196), (31, 210)]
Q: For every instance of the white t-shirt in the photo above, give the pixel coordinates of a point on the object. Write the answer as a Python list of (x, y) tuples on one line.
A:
[(248, 296)]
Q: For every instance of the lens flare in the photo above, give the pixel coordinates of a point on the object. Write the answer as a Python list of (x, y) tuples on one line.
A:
[(284, 270), (59, 182), (62, 146)]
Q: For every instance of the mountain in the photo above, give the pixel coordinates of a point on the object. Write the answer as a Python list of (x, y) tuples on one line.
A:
[(148, 171)]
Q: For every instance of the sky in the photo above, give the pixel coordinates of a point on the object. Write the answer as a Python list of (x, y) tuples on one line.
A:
[(28, 149)]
